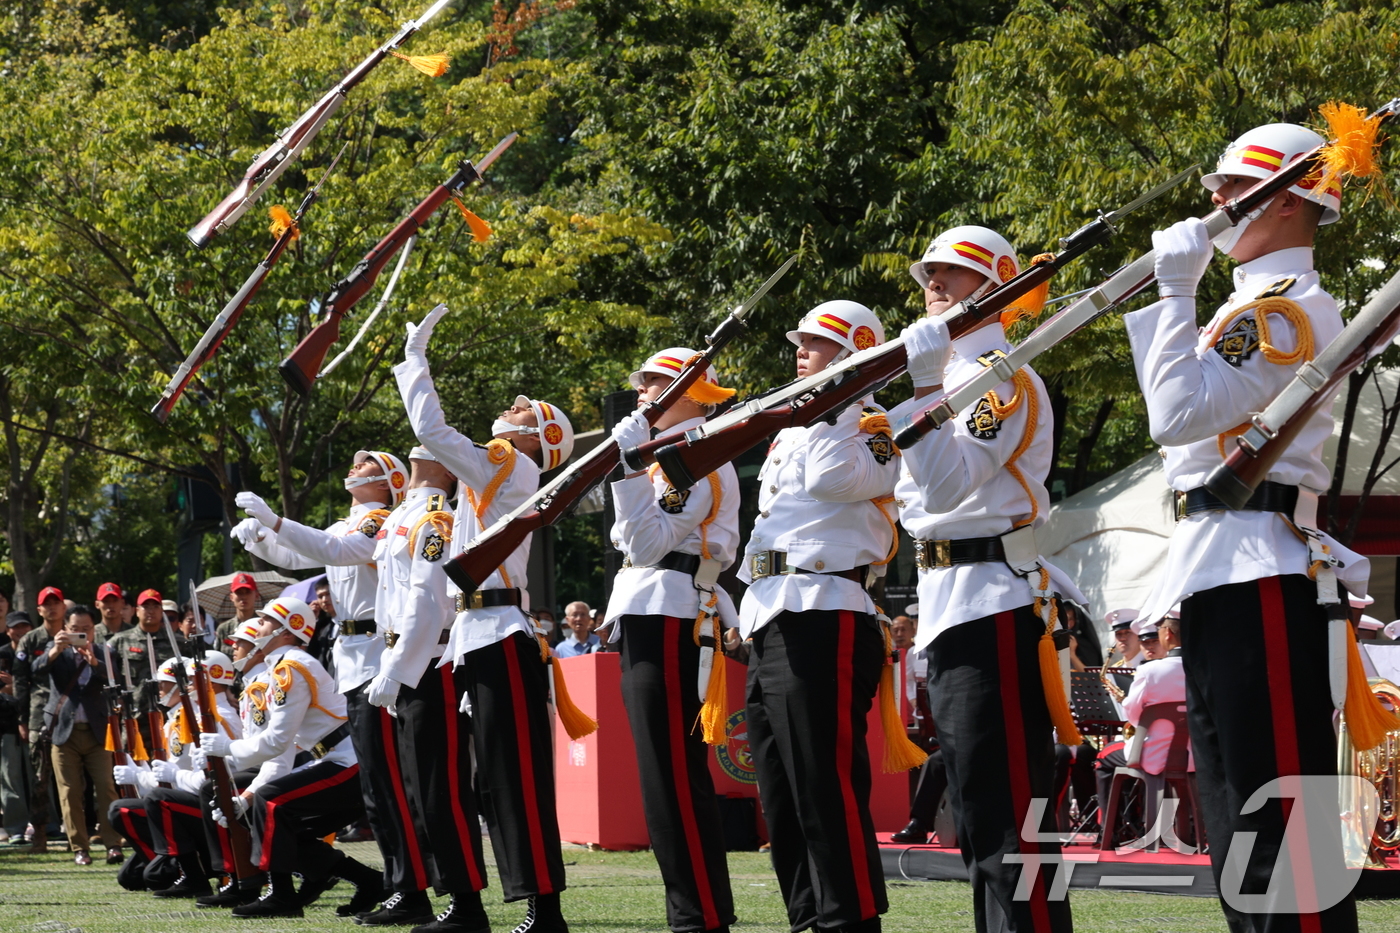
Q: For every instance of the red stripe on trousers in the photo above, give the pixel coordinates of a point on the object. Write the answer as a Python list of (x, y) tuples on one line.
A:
[(527, 770), (1009, 677), (391, 755), (454, 741), (166, 808), (295, 794), (168, 822), (225, 849), (680, 770), (136, 840), (1287, 760), (845, 744)]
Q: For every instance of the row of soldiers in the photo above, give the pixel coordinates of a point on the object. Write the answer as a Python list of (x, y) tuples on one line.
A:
[(439, 711)]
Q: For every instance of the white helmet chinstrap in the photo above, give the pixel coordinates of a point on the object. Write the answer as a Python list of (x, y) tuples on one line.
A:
[(395, 474), (972, 247), (553, 427), (851, 324), (294, 615), (1266, 149)]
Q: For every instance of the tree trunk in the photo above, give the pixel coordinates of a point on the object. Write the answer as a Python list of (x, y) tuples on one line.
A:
[(1086, 445)]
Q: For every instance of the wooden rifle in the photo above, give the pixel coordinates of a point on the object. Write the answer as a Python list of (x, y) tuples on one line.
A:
[(480, 558), (155, 721), (691, 455), (302, 366), (275, 159), (131, 724), (116, 738)]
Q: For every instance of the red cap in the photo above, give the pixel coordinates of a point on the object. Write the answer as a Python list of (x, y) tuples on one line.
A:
[(48, 591), (243, 581), (148, 595), (108, 589)]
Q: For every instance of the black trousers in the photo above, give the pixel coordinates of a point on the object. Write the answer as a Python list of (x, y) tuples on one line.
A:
[(291, 815), (660, 671), (434, 742), (216, 836), (1259, 706), (509, 687), (933, 781), (1074, 773), (812, 677), (994, 729), (128, 817), (398, 826), (176, 822)]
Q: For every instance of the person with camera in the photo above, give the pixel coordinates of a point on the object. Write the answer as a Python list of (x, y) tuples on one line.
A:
[(74, 717)]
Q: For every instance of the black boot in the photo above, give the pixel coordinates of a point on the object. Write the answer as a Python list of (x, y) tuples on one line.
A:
[(913, 834), (191, 882), (313, 888), (463, 915), (369, 886), (543, 916), (280, 900), (233, 892), (404, 908)]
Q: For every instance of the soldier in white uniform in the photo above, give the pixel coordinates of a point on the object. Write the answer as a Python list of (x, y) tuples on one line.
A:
[(1243, 577), (291, 813), (970, 494), (668, 611), (434, 735), (376, 482), (500, 666), (817, 647)]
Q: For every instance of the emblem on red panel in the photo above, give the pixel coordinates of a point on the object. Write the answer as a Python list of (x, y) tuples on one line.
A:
[(396, 479), (1006, 268), (216, 671), (734, 756), (553, 433), (864, 338), (296, 623)]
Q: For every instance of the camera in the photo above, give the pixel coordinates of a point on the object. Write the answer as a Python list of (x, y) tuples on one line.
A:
[(78, 639)]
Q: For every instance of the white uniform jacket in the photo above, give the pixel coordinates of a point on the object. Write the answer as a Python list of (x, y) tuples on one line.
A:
[(230, 724), (655, 519), (412, 587), (300, 706), (816, 504), (955, 483), (346, 550), (252, 707), (1196, 389), (1160, 681), (474, 467)]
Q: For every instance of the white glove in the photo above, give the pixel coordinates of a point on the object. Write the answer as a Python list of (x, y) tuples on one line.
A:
[(632, 431), (1182, 252), (240, 807), (927, 343), (215, 745), (383, 690), (253, 504), (247, 532), (126, 774), (198, 760), (418, 334), (164, 771), (465, 705)]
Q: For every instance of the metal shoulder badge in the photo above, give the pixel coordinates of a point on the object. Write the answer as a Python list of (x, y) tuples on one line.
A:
[(434, 542), (372, 522), (673, 500), (983, 423), (1241, 340)]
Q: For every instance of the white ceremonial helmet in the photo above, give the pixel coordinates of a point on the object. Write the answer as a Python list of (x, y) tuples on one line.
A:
[(219, 667), (293, 614), (972, 247), (851, 324), (669, 362), (1266, 149), (165, 674), (555, 431), (394, 472)]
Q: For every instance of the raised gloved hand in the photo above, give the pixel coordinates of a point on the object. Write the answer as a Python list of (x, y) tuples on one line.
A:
[(253, 504), (1181, 254), (632, 431), (383, 690), (240, 807), (928, 345), (418, 334), (164, 771), (247, 532), (214, 744), (126, 774), (198, 759)]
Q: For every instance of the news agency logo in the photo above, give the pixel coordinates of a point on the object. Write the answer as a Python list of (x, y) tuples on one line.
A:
[(1315, 869)]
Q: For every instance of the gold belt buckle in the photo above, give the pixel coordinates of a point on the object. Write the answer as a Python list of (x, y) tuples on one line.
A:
[(391, 639), (626, 563), (758, 566), (943, 553), (1180, 504), (319, 751)]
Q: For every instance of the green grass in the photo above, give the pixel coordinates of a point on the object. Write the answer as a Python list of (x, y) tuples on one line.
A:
[(609, 892)]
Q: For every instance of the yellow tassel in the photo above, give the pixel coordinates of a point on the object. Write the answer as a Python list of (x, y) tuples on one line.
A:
[(707, 393), (111, 743), (575, 721), (481, 230), (900, 753), (186, 730), (1065, 730), (1032, 302), (434, 66), (713, 712), (1367, 719), (281, 221), (138, 747), (1355, 146)]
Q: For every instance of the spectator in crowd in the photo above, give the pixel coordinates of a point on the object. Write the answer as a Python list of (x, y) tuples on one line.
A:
[(138, 643), (32, 693), (546, 623), (14, 756), (111, 602), (128, 608), (243, 591), (76, 718), (579, 618)]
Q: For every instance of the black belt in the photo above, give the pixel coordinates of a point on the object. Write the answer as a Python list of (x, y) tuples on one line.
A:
[(329, 741), (488, 599), (774, 563), (930, 553), (392, 638), (685, 563), (1269, 497), (358, 627)]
